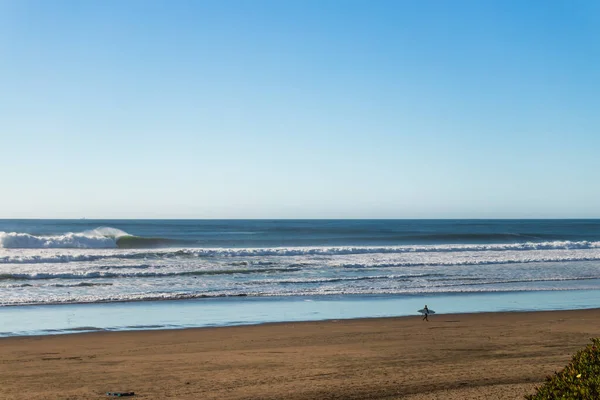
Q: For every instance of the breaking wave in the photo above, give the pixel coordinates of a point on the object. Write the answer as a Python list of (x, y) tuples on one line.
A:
[(93, 241), (99, 238), (157, 271)]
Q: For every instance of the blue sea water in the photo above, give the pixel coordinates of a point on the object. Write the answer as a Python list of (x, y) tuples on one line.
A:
[(61, 276)]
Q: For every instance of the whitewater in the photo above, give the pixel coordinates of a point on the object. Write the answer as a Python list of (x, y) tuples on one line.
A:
[(102, 238), (56, 263)]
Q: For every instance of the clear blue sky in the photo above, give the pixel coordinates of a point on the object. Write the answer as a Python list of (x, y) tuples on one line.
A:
[(299, 109)]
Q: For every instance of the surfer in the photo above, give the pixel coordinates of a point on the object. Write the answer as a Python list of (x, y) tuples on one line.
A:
[(425, 313)]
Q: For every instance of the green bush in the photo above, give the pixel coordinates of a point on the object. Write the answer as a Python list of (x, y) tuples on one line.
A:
[(580, 380)]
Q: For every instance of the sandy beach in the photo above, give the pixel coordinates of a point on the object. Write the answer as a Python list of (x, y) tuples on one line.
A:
[(462, 356)]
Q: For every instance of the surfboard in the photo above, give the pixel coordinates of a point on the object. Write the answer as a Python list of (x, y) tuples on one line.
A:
[(422, 311)]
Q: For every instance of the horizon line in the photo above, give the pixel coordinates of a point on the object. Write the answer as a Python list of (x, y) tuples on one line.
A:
[(303, 219)]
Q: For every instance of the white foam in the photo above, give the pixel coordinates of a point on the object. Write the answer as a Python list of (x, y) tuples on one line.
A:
[(100, 238), (132, 297), (80, 248), (349, 250), (106, 238)]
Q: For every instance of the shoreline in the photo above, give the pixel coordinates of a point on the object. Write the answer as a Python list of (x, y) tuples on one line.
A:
[(243, 311), (499, 355), (157, 329)]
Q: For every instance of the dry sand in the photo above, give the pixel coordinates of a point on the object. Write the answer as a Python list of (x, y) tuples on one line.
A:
[(466, 356)]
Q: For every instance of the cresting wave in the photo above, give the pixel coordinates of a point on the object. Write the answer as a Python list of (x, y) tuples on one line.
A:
[(99, 238)]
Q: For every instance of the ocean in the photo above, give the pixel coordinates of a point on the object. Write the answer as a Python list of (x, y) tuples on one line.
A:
[(59, 276)]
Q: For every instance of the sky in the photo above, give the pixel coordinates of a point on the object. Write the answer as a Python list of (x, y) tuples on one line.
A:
[(299, 109)]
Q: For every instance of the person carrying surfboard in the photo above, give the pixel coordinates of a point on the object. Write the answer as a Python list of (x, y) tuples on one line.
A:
[(425, 313)]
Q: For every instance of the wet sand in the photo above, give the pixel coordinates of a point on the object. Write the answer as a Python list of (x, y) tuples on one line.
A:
[(462, 356)]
